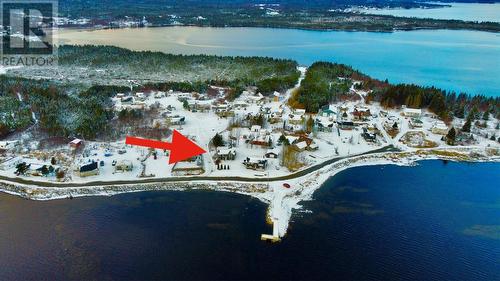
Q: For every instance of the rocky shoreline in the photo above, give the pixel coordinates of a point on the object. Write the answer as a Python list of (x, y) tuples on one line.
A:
[(282, 202)]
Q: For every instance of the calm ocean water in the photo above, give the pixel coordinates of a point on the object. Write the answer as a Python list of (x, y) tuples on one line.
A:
[(435, 221), (457, 60), (458, 11)]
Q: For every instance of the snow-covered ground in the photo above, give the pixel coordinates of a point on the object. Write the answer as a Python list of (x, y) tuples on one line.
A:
[(346, 140)]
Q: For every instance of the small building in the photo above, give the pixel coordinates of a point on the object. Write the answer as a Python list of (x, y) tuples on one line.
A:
[(176, 120), (199, 105), (369, 136), (439, 128), (324, 124), (300, 146), (255, 163), (226, 154), (87, 170), (416, 123), (124, 166), (261, 140), (361, 113), (76, 143), (412, 112), (346, 125), (272, 153), (327, 111), (223, 110)]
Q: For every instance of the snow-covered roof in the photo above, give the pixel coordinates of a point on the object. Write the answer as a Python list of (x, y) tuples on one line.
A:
[(301, 145), (273, 150), (255, 128), (291, 139), (440, 125), (76, 141), (413, 110)]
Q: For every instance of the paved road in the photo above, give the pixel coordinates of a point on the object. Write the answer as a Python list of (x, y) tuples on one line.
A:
[(298, 174)]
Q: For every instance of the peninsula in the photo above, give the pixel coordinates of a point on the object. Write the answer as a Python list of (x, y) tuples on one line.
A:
[(272, 129)]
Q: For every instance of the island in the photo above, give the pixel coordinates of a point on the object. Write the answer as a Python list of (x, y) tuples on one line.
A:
[(271, 129)]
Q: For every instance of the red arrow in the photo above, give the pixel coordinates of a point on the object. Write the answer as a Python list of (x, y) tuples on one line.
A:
[(181, 148)]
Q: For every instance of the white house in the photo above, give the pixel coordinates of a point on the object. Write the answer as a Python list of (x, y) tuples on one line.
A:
[(439, 128), (412, 112)]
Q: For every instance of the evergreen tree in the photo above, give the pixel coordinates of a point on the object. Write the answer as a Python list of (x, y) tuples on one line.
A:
[(451, 136), (21, 168), (217, 140), (283, 140), (467, 125), (486, 115), (459, 111)]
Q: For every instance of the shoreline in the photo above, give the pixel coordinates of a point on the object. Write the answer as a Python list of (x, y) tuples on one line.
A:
[(281, 202), (393, 30)]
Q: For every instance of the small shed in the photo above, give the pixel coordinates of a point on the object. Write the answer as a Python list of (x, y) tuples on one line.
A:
[(76, 143)]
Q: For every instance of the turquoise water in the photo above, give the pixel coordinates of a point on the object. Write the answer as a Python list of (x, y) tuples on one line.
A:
[(435, 221), (466, 61), (458, 11)]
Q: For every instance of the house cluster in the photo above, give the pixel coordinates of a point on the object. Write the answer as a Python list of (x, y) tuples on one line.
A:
[(342, 116)]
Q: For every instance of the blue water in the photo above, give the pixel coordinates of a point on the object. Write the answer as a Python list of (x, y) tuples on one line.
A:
[(428, 222), (481, 12), (461, 61)]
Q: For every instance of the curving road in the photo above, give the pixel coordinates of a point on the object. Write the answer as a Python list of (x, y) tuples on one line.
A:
[(389, 148)]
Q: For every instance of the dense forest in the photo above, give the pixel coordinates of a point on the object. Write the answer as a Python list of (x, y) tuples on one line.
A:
[(56, 111), (73, 98), (106, 65), (446, 105), (326, 82)]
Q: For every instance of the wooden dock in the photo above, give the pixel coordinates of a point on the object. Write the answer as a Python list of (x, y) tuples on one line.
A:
[(275, 236)]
